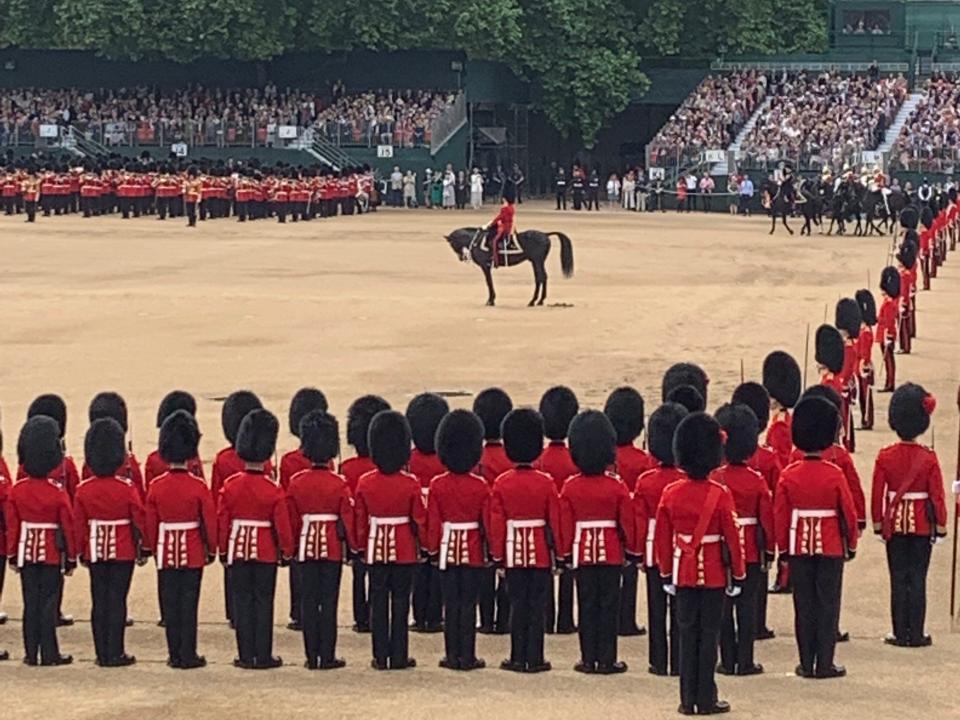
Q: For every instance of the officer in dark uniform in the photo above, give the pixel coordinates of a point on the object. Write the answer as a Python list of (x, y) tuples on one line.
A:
[(560, 184), (593, 190), (577, 189)]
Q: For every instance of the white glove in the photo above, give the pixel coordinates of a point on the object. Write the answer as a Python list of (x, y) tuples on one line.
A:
[(939, 540), (956, 487), (670, 589), (734, 591)]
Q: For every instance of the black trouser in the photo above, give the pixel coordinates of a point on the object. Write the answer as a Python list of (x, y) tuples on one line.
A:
[(561, 199), (427, 599), (629, 576), (109, 585), (593, 198), (598, 590), (296, 585), (253, 587), (280, 208), (577, 199), (163, 207), (461, 587), (205, 207), (762, 593), (738, 630), (908, 558), (319, 594), (228, 594), (389, 608), (9, 203), (529, 590), (361, 605), (698, 616), (191, 214), (31, 207), (494, 602), (40, 585), (3, 572), (559, 612), (659, 605), (179, 600), (816, 584), (241, 210)]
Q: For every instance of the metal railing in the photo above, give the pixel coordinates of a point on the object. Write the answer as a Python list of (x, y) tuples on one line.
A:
[(446, 125), (800, 66), (918, 158)]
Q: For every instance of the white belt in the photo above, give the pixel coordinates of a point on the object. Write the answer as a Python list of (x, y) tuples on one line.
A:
[(95, 526), (578, 534), (448, 529), (744, 521), (235, 528), (706, 540), (309, 519), (375, 524), (805, 515), (651, 533), (512, 527), (25, 528), (171, 527), (910, 496)]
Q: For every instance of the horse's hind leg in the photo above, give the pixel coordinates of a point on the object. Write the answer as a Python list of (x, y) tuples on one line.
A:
[(773, 222), (543, 287), (537, 274), (783, 218), (491, 294)]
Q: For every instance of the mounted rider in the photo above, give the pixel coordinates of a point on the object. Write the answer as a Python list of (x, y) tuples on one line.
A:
[(878, 183), (498, 233)]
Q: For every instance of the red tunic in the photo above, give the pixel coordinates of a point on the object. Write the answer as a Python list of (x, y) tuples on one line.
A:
[(108, 519), (766, 462), (865, 349), (180, 508), (253, 520), (907, 278), (38, 514), (425, 467), (523, 505), (457, 511), (597, 522), (646, 500), (557, 463), (321, 515), (631, 463), (754, 505), (887, 321), (5, 484), (780, 437), (840, 456), (494, 461), (157, 466), (225, 465), (390, 517), (504, 220), (65, 475), (907, 486), (130, 470), (354, 468), (290, 464), (811, 498), (678, 516)]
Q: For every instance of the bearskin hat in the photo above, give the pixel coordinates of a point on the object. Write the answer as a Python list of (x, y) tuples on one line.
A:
[(459, 441), (742, 429), (51, 406), (235, 408), (781, 378), (890, 282), (359, 416), (305, 400), (173, 401), (39, 449), (492, 406), (823, 391), (926, 216), (624, 409), (389, 441), (829, 348), (424, 414), (661, 429), (754, 396), (908, 254), (522, 432), (179, 437), (684, 374), (688, 396), (909, 217), (257, 436), (868, 307), (319, 436), (593, 442), (104, 448), (848, 317), (109, 405), (558, 408), (910, 409), (814, 425), (698, 445)]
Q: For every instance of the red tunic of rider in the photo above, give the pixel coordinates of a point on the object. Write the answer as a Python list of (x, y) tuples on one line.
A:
[(503, 223)]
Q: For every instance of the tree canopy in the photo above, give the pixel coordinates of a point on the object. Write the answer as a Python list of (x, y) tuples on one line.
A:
[(585, 58)]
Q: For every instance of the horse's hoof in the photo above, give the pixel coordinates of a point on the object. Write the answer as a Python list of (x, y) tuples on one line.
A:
[(490, 303), (531, 303)]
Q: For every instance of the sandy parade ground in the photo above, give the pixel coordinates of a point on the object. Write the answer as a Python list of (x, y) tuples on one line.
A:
[(379, 303)]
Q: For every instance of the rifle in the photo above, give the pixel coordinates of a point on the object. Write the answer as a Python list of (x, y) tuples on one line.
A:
[(727, 562), (842, 522), (953, 562), (806, 356), (741, 371)]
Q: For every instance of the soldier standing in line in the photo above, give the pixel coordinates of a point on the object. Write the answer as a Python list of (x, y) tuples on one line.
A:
[(560, 187)]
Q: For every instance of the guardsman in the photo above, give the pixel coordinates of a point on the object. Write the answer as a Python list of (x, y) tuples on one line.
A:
[(6, 482), (155, 465), (391, 518), (907, 267), (305, 400), (40, 538), (829, 354), (9, 189), (558, 408), (31, 191), (927, 238), (909, 512), (754, 505), (815, 522), (524, 517), (848, 321), (492, 406), (598, 536), (181, 532), (322, 517), (681, 374), (253, 526), (646, 500), (887, 324), (109, 521), (424, 413), (457, 513), (782, 380), (112, 405), (866, 377), (192, 194), (359, 416), (700, 555)]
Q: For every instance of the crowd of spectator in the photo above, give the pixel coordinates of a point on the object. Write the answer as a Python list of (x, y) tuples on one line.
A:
[(824, 119), (200, 115), (930, 139), (448, 188)]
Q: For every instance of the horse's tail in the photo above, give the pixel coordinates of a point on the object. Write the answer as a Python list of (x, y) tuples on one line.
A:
[(566, 253)]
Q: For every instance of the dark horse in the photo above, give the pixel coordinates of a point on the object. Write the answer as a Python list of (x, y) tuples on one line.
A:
[(886, 211), (534, 246), (779, 206), (812, 207)]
